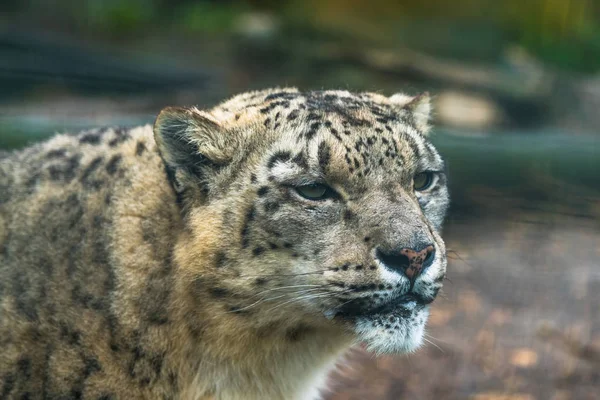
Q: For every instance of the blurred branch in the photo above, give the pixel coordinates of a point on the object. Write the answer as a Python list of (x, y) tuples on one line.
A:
[(28, 60), (533, 83)]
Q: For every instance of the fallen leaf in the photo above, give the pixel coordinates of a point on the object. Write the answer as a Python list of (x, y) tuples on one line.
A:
[(524, 358)]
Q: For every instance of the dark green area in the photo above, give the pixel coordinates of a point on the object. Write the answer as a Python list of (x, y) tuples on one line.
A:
[(563, 33), (544, 169)]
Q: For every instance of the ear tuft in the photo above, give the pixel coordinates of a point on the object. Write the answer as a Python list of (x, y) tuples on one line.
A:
[(418, 106), (189, 140)]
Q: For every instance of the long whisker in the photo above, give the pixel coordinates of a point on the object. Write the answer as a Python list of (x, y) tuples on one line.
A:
[(458, 257), (344, 303), (263, 300), (287, 294), (310, 296), (434, 338), (318, 295), (300, 274), (430, 342), (285, 287)]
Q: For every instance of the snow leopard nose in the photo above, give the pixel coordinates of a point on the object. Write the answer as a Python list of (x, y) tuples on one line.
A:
[(407, 261)]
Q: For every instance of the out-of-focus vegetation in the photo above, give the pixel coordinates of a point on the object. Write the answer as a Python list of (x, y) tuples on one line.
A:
[(563, 33), (492, 64)]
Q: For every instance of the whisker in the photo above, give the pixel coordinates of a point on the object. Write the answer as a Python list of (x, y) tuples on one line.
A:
[(285, 287), (458, 257), (430, 342), (263, 300), (344, 303), (310, 296), (286, 294), (434, 338), (300, 274)]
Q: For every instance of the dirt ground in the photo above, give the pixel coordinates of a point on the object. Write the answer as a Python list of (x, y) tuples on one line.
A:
[(518, 319)]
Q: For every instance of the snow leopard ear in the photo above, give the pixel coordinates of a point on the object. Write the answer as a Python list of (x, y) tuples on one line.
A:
[(419, 108), (191, 143)]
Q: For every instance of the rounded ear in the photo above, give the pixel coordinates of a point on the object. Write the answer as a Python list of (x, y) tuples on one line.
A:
[(418, 106), (191, 142)]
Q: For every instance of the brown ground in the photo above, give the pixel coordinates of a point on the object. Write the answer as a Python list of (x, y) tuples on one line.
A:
[(518, 319)]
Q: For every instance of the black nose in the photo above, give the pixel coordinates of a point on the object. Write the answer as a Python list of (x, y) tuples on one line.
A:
[(410, 262)]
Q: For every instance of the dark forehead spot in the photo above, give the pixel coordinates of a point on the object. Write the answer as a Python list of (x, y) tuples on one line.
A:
[(91, 168), (90, 138), (56, 153), (140, 148), (65, 170), (277, 157), (273, 105), (121, 135), (324, 155), (262, 190), (282, 95), (258, 251), (300, 160), (113, 164)]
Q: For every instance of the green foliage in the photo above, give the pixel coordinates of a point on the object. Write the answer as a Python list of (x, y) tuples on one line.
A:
[(209, 17), (118, 17), (563, 33)]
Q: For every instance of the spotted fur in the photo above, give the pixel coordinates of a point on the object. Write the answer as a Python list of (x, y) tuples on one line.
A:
[(181, 262)]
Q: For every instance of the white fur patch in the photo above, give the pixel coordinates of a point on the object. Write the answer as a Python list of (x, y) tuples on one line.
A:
[(405, 335)]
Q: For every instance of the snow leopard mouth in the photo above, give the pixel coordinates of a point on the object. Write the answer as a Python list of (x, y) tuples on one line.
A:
[(403, 307)]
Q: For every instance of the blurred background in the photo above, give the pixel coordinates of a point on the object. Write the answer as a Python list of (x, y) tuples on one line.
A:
[(516, 85)]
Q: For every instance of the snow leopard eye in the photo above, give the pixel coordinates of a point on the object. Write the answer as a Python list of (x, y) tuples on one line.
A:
[(315, 191), (422, 181)]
